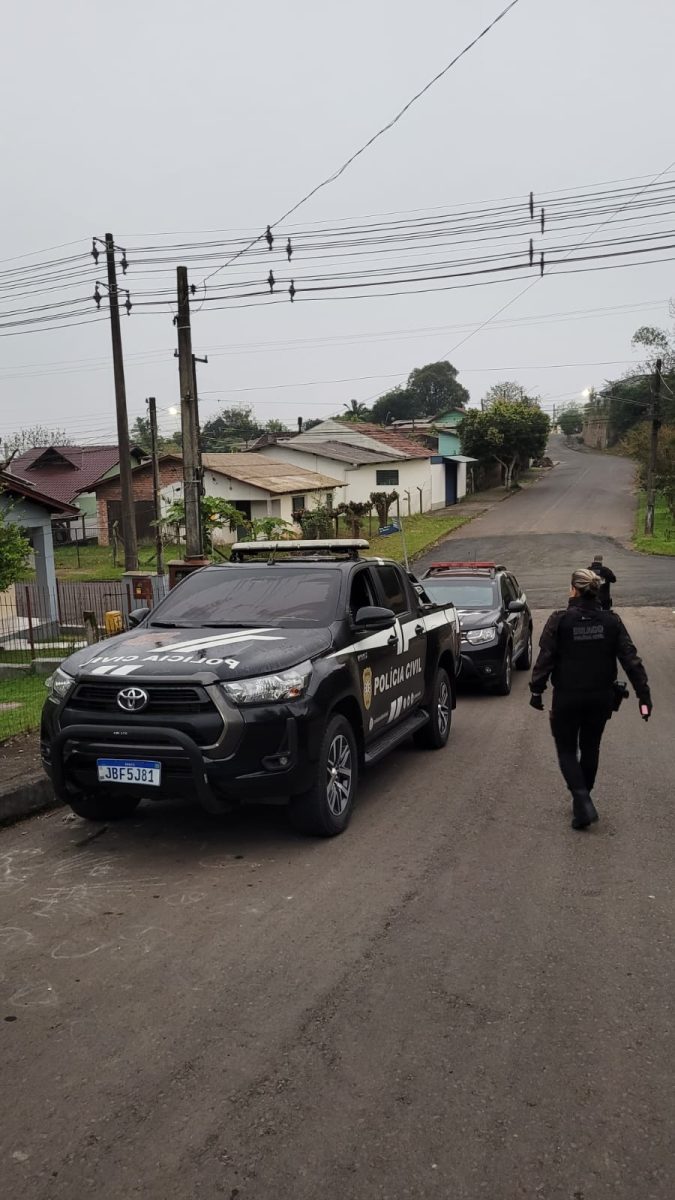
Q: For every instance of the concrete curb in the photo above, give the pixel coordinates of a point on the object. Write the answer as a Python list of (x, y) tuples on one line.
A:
[(34, 795)]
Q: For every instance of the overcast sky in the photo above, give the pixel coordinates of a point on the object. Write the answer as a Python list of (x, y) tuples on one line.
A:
[(150, 116)]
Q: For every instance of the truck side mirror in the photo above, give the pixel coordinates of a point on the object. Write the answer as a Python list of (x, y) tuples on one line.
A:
[(137, 616), (374, 618)]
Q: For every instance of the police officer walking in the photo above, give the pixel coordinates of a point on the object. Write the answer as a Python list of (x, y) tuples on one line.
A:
[(579, 649), (607, 577)]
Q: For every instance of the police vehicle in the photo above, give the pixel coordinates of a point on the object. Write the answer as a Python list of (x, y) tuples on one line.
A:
[(495, 619), (280, 674)]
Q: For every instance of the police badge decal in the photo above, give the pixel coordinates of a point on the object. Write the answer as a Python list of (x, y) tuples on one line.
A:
[(367, 688)]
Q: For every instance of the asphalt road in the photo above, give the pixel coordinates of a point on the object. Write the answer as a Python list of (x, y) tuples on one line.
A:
[(460, 998), (584, 506)]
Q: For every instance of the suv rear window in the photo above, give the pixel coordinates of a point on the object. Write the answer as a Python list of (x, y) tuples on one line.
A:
[(464, 593), (248, 596)]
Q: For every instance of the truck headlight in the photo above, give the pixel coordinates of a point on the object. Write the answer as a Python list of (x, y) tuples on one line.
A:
[(263, 689), (476, 636), (59, 685)]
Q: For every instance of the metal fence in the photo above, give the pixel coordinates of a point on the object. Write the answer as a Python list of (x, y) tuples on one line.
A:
[(39, 628)]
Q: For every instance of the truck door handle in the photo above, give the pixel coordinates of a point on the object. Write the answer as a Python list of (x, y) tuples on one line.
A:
[(419, 630), (392, 640)]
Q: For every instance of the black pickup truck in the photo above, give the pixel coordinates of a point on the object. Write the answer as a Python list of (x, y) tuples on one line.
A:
[(280, 674)]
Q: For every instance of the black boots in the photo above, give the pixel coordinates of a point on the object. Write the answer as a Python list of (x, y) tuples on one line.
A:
[(583, 810)]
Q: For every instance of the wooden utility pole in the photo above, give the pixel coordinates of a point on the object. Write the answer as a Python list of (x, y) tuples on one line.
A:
[(653, 450), (126, 478), (189, 424), (156, 485)]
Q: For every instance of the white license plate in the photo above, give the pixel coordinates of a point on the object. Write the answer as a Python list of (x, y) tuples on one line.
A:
[(129, 770)]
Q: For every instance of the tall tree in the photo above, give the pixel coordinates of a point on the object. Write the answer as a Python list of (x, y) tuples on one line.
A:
[(232, 427), (571, 420), (511, 392), (356, 411), (508, 432), (429, 391), (140, 436), (436, 389), (275, 426)]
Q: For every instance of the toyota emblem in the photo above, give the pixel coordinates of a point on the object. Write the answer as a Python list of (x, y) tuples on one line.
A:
[(132, 699)]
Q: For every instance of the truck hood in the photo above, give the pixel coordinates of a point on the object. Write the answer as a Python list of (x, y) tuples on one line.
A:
[(203, 654), (478, 618)]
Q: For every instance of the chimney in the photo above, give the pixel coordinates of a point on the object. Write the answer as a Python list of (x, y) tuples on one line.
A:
[(299, 424)]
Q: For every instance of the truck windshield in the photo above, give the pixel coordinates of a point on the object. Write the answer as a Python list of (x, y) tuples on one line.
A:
[(464, 593), (252, 596)]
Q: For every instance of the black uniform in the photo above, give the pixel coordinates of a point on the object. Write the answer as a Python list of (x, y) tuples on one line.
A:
[(579, 649), (608, 577)]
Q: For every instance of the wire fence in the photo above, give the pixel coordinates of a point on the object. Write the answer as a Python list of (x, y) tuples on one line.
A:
[(40, 627)]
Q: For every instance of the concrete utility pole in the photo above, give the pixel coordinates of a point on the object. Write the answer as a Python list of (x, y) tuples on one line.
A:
[(156, 484), (653, 450), (126, 478), (192, 485)]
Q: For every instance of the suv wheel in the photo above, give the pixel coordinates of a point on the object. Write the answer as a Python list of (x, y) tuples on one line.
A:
[(97, 807), (524, 661), (435, 734), (506, 678), (324, 810)]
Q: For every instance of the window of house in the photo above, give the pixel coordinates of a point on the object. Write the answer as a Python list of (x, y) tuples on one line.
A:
[(298, 503), (386, 478)]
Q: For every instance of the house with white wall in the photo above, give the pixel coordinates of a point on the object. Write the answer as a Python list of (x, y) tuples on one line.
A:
[(259, 486), (372, 458)]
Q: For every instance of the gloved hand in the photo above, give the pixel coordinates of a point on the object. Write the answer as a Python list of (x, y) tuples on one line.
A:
[(536, 701), (646, 709)]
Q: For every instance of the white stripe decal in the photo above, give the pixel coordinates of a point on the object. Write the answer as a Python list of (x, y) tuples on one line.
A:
[(216, 638), (101, 670), (125, 670)]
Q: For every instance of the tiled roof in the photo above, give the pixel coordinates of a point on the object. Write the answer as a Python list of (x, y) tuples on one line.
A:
[(266, 473), (20, 487), (399, 443), (64, 471), (343, 452)]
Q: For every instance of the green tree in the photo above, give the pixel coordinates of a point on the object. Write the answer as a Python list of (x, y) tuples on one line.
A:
[(637, 444), (429, 391), (28, 439), (216, 514), (436, 389), (232, 427), (511, 392), (508, 432), (355, 411), (382, 502), (140, 436), (14, 551), (275, 426), (571, 420)]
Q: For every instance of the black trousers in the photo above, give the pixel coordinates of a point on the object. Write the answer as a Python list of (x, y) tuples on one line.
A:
[(578, 722)]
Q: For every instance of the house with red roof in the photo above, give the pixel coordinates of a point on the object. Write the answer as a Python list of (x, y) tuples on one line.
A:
[(68, 474), (372, 458)]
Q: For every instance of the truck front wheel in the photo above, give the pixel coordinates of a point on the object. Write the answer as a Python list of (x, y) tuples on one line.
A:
[(94, 806), (325, 809), (434, 735)]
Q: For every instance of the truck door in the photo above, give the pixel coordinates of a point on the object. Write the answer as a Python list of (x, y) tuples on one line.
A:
[(401, 686), (372, 654)]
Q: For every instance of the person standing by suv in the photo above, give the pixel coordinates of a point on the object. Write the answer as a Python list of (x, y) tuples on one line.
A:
[(607, 577), (579, 650)]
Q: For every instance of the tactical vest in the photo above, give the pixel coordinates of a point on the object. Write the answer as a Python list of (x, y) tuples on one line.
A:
[(587, 642)]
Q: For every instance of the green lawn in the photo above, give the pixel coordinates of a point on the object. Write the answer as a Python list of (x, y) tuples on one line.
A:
[(421, 531), (663, 541), (29, 693), (96, 562)]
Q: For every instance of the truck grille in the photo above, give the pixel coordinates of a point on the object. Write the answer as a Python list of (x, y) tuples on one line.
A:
[(163, 698)]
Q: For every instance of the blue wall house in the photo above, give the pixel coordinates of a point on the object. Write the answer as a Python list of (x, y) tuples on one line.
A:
[(33, 512)]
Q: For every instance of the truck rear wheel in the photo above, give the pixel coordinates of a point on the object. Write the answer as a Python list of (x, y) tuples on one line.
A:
[(97, 807), (434, 735), (325, 809)]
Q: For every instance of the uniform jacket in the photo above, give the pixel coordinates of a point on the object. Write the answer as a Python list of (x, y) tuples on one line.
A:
[(608, 577), (580, 648)]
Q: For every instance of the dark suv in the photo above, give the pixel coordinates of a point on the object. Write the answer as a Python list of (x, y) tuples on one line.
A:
[(495, 619)]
